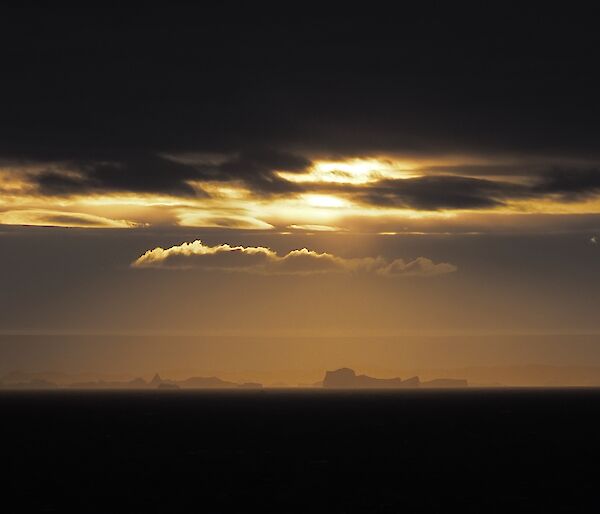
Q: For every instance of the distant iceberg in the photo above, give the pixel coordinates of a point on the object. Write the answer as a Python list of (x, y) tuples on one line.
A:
[(346, 378)]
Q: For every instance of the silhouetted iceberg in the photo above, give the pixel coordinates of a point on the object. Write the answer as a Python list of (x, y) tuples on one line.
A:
[(445, 382), (137, 382), (343, 378), (346, 378), (411, 382), (205, 382), (32, 384), (156, 380)]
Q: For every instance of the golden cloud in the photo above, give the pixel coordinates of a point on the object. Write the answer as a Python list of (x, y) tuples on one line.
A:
[(316, 228), (359, 195), (262, 260), (190, 218), (48, 218)]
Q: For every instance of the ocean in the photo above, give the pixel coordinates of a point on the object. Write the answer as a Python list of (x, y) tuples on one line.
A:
[(300, 451)]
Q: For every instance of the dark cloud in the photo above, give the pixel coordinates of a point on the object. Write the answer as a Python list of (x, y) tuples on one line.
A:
[(485, 170), (155, 174), (570, 184), (256, 167), (175, 79), (264, 161), (441, 192), (437, 192), (144, 174)]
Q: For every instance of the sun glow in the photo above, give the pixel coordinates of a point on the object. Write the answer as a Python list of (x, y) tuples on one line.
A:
[(331, 196), (353, 171), (327, 201)]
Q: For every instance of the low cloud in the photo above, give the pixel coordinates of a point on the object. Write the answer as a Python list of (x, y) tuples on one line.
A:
[(47, 218), (262, 260), (197, 218)]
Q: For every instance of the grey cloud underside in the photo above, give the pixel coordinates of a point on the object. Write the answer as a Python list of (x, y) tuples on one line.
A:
[(569, 184), (456, 192), (486, 170), (157, 174), (450, 192), (257, 169), (144, 173), (441, 192)]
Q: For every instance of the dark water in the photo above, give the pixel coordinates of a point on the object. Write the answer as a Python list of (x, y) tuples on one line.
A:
[(301, 452)]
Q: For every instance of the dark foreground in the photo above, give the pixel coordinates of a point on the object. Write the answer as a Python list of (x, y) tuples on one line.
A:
[(301, 452)]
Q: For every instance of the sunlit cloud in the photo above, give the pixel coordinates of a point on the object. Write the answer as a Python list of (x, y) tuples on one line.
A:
[(326, 201), (316, 228), (552, 206), (262, 260), (352, 171), (198, 218), (60, 219), (276, 190)]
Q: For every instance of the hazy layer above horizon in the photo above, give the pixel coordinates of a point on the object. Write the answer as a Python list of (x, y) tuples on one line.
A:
[(483, 360)]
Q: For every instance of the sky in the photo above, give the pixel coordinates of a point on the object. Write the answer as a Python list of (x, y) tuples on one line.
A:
[(245, 173)]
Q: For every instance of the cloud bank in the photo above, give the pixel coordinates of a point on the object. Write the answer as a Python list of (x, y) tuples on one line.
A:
[(262, 260)]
